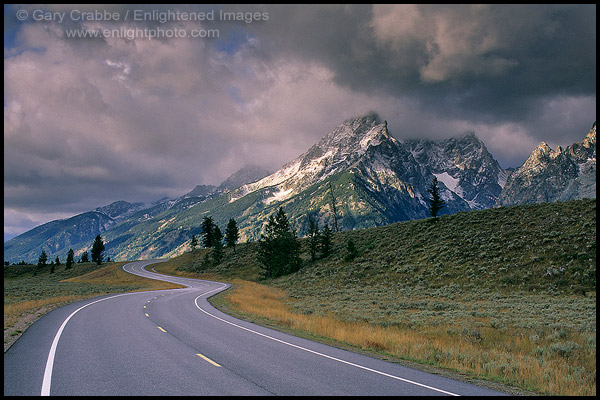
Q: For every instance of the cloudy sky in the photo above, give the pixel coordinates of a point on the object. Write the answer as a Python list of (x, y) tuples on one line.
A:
[(122, 116)]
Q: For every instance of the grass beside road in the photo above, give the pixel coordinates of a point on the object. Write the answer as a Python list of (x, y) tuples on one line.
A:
[(30, 292)]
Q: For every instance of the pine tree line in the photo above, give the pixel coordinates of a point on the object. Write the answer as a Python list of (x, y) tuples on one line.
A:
[(96, 251), (212, 238)]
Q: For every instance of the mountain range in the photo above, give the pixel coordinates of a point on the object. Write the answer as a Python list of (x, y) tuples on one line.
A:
[(374, 178)]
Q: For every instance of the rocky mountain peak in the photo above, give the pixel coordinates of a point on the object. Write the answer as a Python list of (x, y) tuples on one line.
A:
[(589, 142), (551, 175), (351, 131), (335, 152)]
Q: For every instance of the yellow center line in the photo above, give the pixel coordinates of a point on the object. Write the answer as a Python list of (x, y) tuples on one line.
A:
[(208, 359), (147, 315), (161, 329)]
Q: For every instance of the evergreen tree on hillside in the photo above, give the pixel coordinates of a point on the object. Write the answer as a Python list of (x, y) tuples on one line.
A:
[(279, 250), (84, 257), (325, 245), (352, 250), (194, 242), (208, 232), (232, 234), (314, 237), (435, 201), (70, 259), (97, 250), (43, 258), (217, 252)]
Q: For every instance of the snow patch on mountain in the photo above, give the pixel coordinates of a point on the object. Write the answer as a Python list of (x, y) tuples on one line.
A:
[(448, 180), (280, 196)]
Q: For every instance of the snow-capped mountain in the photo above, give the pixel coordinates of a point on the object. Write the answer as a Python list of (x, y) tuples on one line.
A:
[(374, 178), (471, 178), (554, 175), (335, 152)]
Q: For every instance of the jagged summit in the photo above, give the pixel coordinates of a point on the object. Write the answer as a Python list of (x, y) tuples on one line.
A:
[(351, 131), (120, 210), (551, 175), (335, 152), (364, 146), (464, 165)]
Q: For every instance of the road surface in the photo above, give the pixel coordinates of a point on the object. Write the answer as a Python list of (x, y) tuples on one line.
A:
[(173, 342)]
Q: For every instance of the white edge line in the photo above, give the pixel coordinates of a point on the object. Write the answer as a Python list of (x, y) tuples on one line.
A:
[(317, 353), (47, 381)]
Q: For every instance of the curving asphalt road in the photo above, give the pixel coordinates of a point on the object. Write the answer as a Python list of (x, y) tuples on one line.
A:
[(173, 342)]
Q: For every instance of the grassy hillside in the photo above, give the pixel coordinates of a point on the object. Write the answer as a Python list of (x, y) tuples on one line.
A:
[(504, 294), (549, 248)]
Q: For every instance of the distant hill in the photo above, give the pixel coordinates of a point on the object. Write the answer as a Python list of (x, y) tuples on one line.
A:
[(57, 237)]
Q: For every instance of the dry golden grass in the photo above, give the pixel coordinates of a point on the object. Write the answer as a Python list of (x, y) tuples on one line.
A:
[(13, 312), (114, 275), (503, 358)]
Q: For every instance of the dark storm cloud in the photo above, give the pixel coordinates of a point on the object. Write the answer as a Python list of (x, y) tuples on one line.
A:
[(491, 61)]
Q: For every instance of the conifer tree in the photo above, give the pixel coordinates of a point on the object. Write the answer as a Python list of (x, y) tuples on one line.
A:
[(97, 250), (84, 257), (279, 250), (194, 242), (435, 201), (326, 240), (352, 250), (232, 234), (208, 228), (43, 258), (70, 259)]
